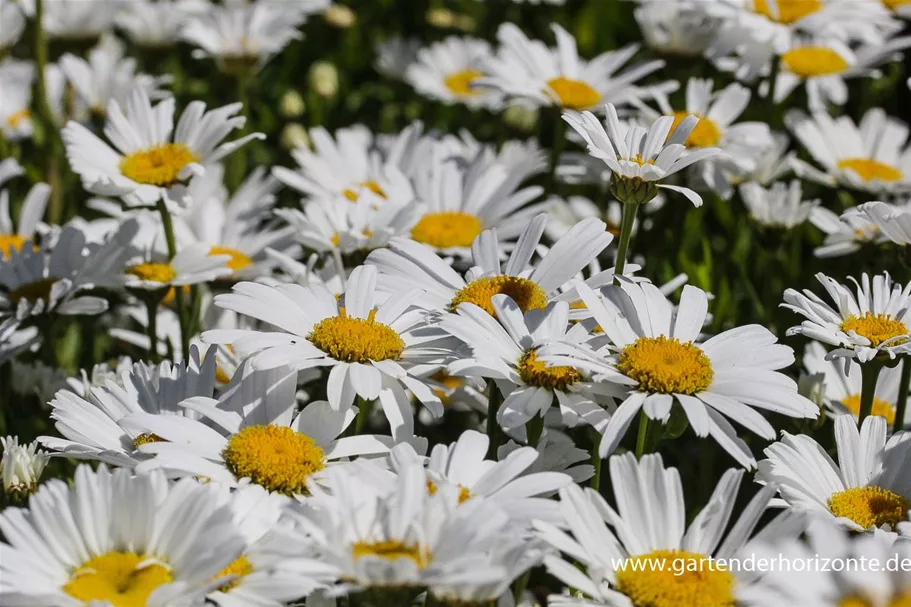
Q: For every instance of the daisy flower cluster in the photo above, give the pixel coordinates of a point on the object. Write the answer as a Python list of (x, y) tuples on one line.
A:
[(505, 303)]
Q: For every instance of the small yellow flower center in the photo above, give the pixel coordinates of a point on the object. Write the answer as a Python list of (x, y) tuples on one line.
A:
[(895, 4), (32, 291), (121, 579), (878, 328), (356, 339), (352, 195), (671, 578), (392, 550), (239, 567), (159, 165), (535, 373), (903, 600), (275, 457), (705, 135), (152, 272), (464, 492), (447, 229), (788, 11), (666, 365), (811, 61), (145, 439), (239, 260), (459, 83), (871, 170), (880, 407), (12, 242), (638, 159), (870, 506), (573, 94), (528, 295), (17, 118), (448, 383)]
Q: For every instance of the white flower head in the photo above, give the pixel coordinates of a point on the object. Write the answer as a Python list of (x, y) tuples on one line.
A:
[(446, 71), (678, 28), (845, 234), (157, 23), (781, 206), (21, 467), (893, 221), (13, 237), (13, 20)]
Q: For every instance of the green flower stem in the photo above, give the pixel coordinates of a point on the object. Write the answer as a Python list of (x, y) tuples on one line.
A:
[(179, 295), (642, 439), (53, 145), (152, 326), (534, 428), (595, 482), (556, 149), (902, 405), (869, 373), (626, 236), (494, 400)]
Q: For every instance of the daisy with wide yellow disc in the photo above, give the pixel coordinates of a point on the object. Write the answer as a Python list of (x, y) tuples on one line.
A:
[(869, 487), (449, 70), (14, 238), (643, 551)]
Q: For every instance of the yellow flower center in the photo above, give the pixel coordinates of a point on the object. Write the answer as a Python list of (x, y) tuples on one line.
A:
[(528, 295), (152, 272), (871, 170), (574, 94), (239, 567), (357, 340), (159, 165), (464, 492), (371, 185), (275, 457), (448, 384), (666, 365), (221, 376), (535, 373), (239, 260), (145, 439), (447, 229), (392, 550), (12, 242), (870, 506), (902, 600), (811, 61), (32, 291), (789, 11), (17, 118), (880, 407), (878, 328), (895, 4), (671, 578), (122, 579), (705, 135), (459, 83)]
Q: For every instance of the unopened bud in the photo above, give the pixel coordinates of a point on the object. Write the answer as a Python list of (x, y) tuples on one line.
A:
[(324, 79)]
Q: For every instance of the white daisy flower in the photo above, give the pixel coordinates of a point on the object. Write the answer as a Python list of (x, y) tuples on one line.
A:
[(108, 74), (730, 375), (677, 29), (845, 234), (648, 526), (868, 488), (31, 212), (874, 322), (640, 158), (446, 71), (157, 24), (771, 163), (94, 427), (127, 539), (192, 265), (252, 435), (556, 453), (375, 350), (842, 386), (781, 206), (13, 20), (150, 156), (871, 156), (407, 265), (76, 19), (395, 55), (530, 72), (893, 221), (15, 99), (21, 467), (567, 212), (99, 375), (39, 281)]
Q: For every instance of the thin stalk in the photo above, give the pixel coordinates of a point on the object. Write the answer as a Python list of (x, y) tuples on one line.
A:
[(519, 587), (152, 326), (53, 144), (901, 406), (869, 374), (534, 429), (179, 295), (626, 236), (595, 482), (494, 400), (642, 439), (364, 408), (556, 149), (239, 157)]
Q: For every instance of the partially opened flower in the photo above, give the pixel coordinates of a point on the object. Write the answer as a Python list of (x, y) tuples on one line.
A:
[(893, 221), (12, 237), (21, 467), (845, 234), (781, 206)]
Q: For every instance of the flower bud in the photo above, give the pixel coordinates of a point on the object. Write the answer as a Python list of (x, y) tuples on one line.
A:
[(20, 467)]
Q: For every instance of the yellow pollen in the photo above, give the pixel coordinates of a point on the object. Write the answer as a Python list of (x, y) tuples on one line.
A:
[(464, 492), (671, 578), (221, 376), (447, 229), (17, 118), (705, 135), (871, 170), (392, 550), (371, 185), (448, 383), (12, 242), (880, 407), (535, 373), (527, 294), (811, 61), (357, 340), (153, 272), (239, 260), (895, 4), (789, 11), (870, 506), (878, 328), (121, 579), (903, 600), (32, 291), (574, 94), (336, 239), (145, 439), (275, 457), (159, 165), (239, 567), (666, 365), (459, 83)]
